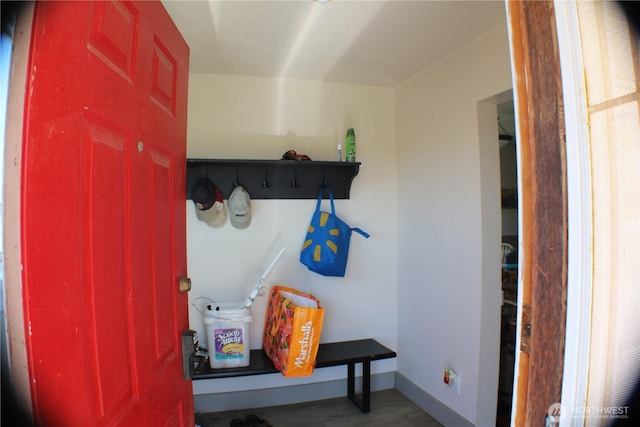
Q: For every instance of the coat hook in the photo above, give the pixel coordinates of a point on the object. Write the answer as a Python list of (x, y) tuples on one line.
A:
[(237, 183), (266, 183), (295, 184)]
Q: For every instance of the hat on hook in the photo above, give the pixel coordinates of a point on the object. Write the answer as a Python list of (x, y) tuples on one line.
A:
[(209, 203), (239, 208)]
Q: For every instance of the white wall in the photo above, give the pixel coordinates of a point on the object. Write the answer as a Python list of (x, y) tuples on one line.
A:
[(261, 118), (448, 223)]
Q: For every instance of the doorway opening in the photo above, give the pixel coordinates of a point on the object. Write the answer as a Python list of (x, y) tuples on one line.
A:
[(509, 267)]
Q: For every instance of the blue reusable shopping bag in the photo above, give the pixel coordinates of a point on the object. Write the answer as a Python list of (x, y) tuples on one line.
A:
[(326, 247)]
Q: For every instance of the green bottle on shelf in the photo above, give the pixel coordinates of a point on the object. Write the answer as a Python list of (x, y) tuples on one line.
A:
[(351, 145)]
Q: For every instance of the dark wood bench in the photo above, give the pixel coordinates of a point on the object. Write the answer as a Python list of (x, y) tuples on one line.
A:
[(329, 354)]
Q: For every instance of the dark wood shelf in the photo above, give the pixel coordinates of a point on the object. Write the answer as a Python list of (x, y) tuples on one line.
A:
[(274, 179), (347, 353), (329, 354)]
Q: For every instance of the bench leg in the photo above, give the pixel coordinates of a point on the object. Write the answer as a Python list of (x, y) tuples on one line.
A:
[(363, 403)]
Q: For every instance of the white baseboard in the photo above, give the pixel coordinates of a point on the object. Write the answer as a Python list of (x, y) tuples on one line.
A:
[(260, 398), (438, 410), (249, 399)]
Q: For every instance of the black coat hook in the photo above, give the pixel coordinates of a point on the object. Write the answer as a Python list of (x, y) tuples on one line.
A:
[(266, 183)]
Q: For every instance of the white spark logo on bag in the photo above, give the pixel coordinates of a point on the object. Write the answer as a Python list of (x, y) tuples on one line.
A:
[(305, 343)]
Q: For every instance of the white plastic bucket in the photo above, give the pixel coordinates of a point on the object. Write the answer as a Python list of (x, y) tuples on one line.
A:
[(228, 334)]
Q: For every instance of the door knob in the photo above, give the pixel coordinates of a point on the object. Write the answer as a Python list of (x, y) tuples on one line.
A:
[(185, 284)]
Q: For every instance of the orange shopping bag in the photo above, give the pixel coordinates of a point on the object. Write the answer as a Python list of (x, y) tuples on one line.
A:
[(292, 331)]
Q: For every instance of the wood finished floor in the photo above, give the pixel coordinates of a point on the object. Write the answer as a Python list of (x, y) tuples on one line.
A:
[(388, 408)]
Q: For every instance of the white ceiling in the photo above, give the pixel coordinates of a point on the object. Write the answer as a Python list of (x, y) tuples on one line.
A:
[(379, 43)]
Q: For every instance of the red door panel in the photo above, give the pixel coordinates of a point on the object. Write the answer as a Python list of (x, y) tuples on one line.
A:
[(103, 215), (163, 314), (113, 35), (105, 308)]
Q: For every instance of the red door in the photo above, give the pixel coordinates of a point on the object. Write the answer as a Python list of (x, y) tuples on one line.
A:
[(103, 215)]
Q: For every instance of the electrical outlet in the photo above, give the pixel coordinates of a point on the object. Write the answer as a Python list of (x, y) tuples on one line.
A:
[(452, 379)]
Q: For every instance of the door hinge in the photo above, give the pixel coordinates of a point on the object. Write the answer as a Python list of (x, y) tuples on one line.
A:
[(525, 333)]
